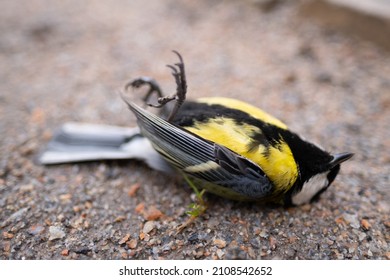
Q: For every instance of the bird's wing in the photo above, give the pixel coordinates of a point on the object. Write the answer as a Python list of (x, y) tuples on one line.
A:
[(201, 158)]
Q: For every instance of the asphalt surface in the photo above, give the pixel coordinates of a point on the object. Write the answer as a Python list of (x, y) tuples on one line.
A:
[(65, 61)]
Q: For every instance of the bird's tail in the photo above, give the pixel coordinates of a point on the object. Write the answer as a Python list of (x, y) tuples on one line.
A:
[(77, 142)]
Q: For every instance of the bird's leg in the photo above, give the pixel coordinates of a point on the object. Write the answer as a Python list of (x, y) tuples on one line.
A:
[(178, 72), (153, 87), (196, 209)]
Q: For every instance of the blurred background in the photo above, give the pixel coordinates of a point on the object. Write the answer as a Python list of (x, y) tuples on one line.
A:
[(322, 67)]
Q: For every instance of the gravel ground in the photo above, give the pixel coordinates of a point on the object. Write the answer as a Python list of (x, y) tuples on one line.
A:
[(65, 60)]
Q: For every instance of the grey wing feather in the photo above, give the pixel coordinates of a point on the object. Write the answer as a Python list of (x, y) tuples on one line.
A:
[(201, 158)]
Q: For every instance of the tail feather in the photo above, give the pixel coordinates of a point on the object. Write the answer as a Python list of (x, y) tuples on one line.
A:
[(84, 136), (78, 142)]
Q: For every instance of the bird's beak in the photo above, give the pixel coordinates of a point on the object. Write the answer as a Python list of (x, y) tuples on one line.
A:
[(339, 158)]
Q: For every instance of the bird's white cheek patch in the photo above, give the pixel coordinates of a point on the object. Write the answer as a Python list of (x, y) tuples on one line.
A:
[(311, 188)]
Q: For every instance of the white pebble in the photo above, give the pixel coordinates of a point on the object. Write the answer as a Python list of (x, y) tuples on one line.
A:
[(56, 233)]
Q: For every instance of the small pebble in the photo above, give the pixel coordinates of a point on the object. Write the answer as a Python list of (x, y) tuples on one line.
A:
[(251, 253), (167, 247), (8, 235), (352, 219), (263, 234), (133, 189), (362, 236), (255, 243), (220, 243), (27, 188), (199, 253), (132, 244), (148, 227), (56, 233), (220, 253), (35, 229), (65, 252), (365, 224), (6, 246), (213, 222), (119, 219), (82, 250), (124, 239), (65, 197), (290, 252), (140, 207), (152, 213), (272, 242)]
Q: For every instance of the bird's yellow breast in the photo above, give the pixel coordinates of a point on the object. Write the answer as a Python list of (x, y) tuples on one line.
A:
[(276, 161)]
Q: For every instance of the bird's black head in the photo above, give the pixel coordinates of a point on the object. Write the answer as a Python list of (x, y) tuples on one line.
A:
[(317, 170)]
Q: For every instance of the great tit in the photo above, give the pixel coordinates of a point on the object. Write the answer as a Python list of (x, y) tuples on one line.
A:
[(225, 146)]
